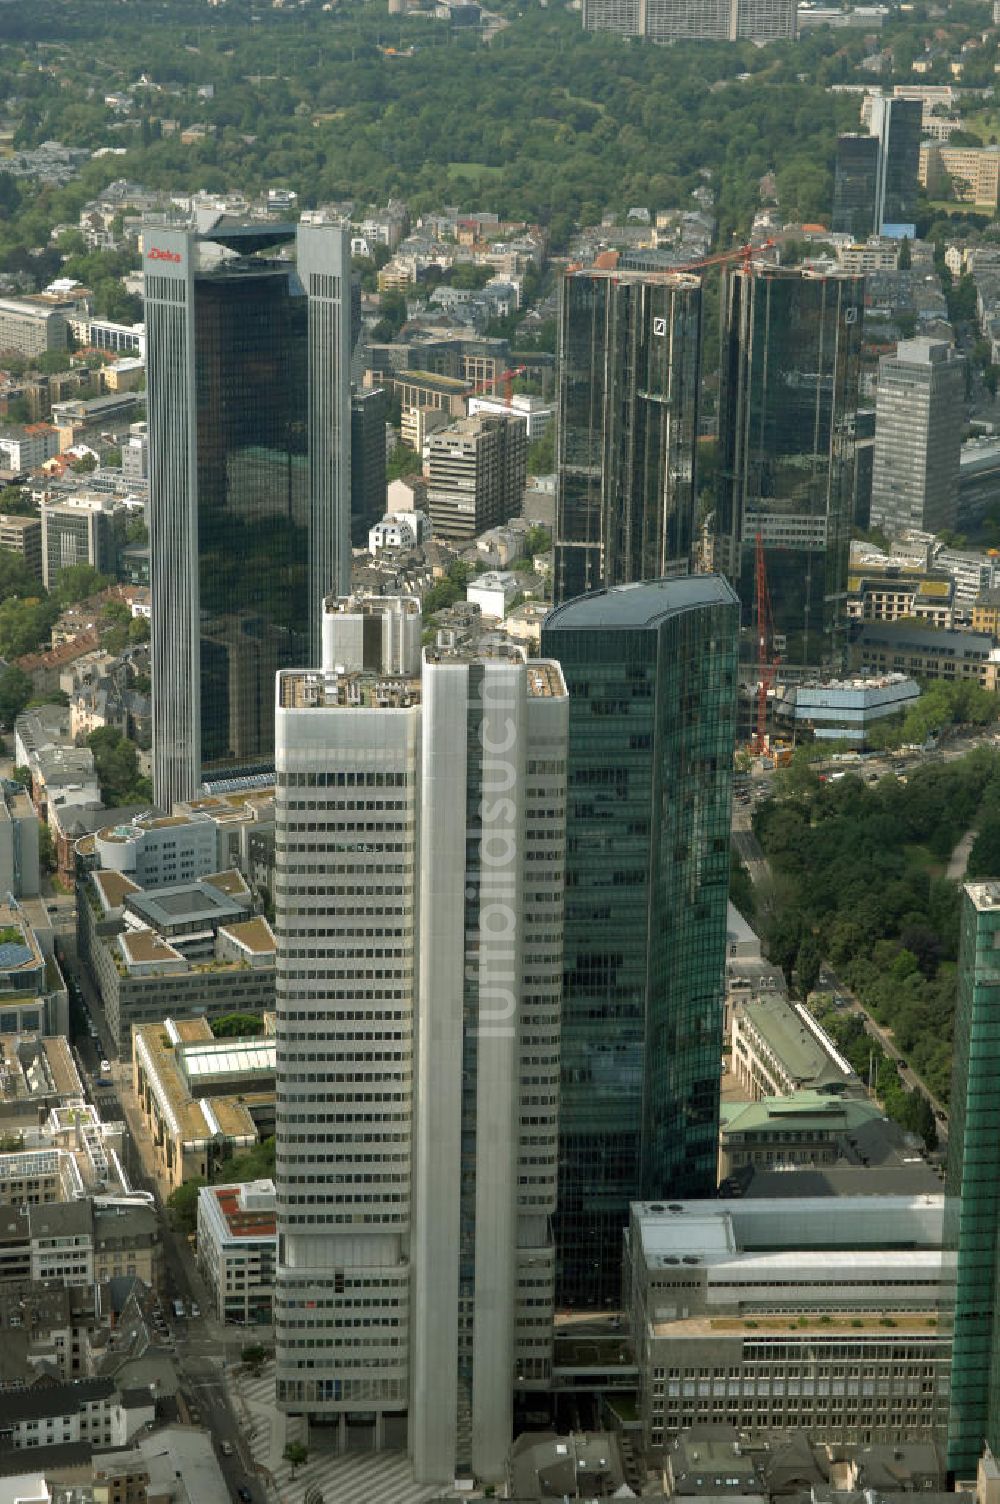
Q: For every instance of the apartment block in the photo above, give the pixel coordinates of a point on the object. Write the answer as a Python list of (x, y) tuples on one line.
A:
[(476, 475), (31, 328), (970, 174), (23, 535)]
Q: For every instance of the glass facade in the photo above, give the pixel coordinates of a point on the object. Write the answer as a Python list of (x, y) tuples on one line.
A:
[(628, 421), (901, 128), (972, 1205), (789, 378), (651, 674), (249, 438), (855, 185)]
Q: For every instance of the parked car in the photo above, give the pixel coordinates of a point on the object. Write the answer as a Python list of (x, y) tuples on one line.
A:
[(105, 1067), (226, 1448)]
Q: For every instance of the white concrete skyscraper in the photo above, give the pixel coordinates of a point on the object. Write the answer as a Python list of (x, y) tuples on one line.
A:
[(420, 845)]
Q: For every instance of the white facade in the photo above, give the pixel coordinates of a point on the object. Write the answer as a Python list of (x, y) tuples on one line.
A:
[(238, 1248), (159, 850), (420, 846), (398, 530), (493, 592), (28, 448)]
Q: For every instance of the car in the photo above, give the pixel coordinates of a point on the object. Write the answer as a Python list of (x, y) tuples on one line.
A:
[(105, 1067), (227, 1449), (195, 1308), (244, 1495), (178, 1309)]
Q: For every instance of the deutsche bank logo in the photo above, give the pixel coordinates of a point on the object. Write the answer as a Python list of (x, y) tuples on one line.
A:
[(850, 315), (660, 327)]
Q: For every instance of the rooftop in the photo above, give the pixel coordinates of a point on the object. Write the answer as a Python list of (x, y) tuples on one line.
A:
[(805, 1052), (644, 604)]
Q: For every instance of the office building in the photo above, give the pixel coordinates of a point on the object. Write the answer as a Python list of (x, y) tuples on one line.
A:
[(855, 184), (919, 416), (249, 437), (628, 402), (76, 531), (757, 21), (237, 1250), (476, 473), (818, 1314), (25, 448), (970, 174), (23, 535), (651, 674), (898, 126), (369, 410), (414, 1194), (972, 1211), (30, 328), (791, 345)]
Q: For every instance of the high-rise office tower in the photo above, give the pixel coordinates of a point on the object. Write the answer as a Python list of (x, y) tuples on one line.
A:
[(855, 185), (898, 126), (420, 843), (249, 436), (368, 485), (651, 672), (789, 376), (972, 1201), (629, 347), (919, 412), (476, 472)]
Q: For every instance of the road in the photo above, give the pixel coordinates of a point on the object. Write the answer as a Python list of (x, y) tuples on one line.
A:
[(203, 1346)]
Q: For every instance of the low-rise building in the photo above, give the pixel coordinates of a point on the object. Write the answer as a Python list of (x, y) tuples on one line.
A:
[(201, 1098), (494, 592), (23, 535), (76, 531), (89, 1411), (897, 591), (845, 710), (777, 1048), (189, 950), (820, 1315), (399, 530), (31, 328), (25, 448), (921, 652), (237, 1249), (810, 1128)]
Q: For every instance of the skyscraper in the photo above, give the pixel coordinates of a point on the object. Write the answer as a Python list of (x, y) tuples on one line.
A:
[(972, 1203), (919, 414), (420, 842), (249, 433), (789, 376), (898, 125), (629, 348), (855, 185), (651, 674)]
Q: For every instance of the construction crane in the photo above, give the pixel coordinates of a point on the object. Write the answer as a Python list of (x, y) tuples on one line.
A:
[(766, 663), (507, 377)]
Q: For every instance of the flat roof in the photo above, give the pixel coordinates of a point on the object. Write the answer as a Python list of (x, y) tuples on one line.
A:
[(643, 604)]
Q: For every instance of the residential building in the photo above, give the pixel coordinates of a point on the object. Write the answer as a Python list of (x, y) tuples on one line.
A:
[(494, 591), (23, 535), (202, 1099), (970, 174), (76, 531), (31, 328), (25, 448), (399, 530), (86, 1410), (629, 363), (249, 434), (787, 421), (437, 1239), (238, 1249), (476, 474), (758, 21), (818, 1315), (918, 437), (651, 674), (893, 592), (854, 187), (369, 410), (972, 1218), (845, 711), (778, 1048)]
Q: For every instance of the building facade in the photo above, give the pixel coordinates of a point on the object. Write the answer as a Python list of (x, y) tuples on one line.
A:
[(249, 435), (855, 184), (898, 126), (919, 416), (368, 487), (418, 1260), (791, 347), (476, 474), (629, 368), (689, 20), (972, 1208), (76, 531), (651, 674)]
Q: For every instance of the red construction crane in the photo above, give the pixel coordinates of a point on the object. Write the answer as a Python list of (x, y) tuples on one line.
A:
[(766, 663), (507, 377)]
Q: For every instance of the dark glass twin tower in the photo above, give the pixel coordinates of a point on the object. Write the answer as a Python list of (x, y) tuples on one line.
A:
[(249, 426), (627, 484)]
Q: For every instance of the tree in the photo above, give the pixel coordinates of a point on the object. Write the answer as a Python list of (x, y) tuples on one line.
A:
[(904, 261), (233, 1025), (117, 764), (296, 1454), (183, 1204), (46, 848), (15, 692), (254, 1356), (78, 582), (84, 465)]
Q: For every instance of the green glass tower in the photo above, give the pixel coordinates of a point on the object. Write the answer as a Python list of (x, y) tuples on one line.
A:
[(651, 674), (972, 1206)]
